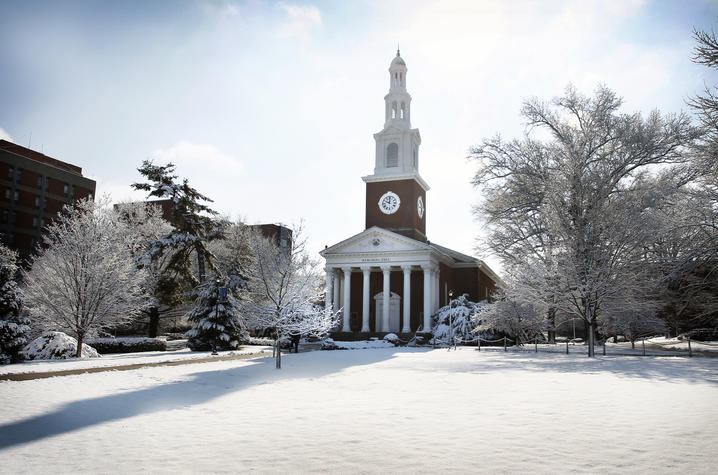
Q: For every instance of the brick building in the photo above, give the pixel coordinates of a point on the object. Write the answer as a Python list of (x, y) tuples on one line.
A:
[(390, 277), (33, 190)]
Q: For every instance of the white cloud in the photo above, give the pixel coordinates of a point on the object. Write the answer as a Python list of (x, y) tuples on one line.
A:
[(300, 20), (5, 136), (201, 157)]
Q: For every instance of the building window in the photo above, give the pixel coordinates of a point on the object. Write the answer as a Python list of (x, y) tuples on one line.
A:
[(10, 173), (42, 222), (18, 176), (35, 222), (8, 194), (39, 182), (392, 155), (44, 204), (37, 202), (5, 216), (47, 183), (13, 217), (72, 191), (16, 196), (66, 190)]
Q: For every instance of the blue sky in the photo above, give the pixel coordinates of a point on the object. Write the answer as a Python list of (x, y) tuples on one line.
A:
[(270, 107)]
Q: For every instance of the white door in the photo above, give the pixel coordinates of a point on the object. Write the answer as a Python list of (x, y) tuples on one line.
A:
[(394, 309)]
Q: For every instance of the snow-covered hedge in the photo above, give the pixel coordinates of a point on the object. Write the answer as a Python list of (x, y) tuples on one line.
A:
[(461, 315), (127, 345), (56, 346)]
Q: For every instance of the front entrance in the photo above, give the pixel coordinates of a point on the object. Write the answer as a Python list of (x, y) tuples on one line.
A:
[(394, 306)]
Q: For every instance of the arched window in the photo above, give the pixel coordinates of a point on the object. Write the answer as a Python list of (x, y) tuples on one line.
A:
[(392, 155), (403, 110), (393, 110)]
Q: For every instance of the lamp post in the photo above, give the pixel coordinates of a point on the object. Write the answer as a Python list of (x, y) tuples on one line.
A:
[(451, 319)]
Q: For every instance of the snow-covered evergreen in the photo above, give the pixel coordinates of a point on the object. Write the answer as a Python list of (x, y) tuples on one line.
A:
[(460, 315), (14, 325), (217, 324)]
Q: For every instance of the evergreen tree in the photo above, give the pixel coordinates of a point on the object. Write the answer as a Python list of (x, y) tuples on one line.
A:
[(193, 221), (13, 324), (217, 323)]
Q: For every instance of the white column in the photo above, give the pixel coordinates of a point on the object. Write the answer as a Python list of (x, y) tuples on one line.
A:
[(347, 298), (329, 294), (337, 291), (437, 283), (427, 297), (406, 327), (386, 302), (365, 301)]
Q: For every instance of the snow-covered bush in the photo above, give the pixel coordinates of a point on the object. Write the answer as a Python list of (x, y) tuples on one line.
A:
[(460, 315), (13, 323), (56, 346), (329, 344), (127, 345), (513, 316), (392, 338), (217, 324)]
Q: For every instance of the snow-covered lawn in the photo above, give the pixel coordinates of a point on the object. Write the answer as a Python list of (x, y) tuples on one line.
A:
[(119, 359), (382, 410)]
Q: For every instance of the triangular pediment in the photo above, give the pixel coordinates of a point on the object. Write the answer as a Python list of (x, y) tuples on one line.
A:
[(376, 240)]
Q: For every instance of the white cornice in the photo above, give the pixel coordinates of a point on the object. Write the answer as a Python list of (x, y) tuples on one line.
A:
[(397, 176)]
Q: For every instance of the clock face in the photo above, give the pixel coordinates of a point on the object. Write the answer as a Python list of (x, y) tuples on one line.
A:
[(420, 207), (389, 202)]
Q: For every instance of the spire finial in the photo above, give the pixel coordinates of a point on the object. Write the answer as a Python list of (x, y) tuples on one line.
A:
[(397, 49)]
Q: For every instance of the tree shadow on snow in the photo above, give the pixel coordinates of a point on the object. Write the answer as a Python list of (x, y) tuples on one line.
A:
[(199, 388), (665, 369)]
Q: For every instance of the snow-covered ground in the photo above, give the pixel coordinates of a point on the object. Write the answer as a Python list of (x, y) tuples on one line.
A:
[(119, 359), (381, 410)]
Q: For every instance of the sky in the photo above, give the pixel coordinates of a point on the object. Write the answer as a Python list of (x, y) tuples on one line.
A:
[(269, 108)]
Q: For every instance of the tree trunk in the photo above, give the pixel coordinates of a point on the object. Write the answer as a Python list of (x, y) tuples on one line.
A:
[(591, 339), (200, 264), (80, 339), (279, 354), (154, 321), (552, 326)]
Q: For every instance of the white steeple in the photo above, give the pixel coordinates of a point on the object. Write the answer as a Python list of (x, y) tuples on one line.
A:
[(397, 145)]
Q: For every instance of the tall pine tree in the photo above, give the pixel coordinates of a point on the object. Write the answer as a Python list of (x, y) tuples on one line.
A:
[(14, 326), (217, 323), (194, 226)]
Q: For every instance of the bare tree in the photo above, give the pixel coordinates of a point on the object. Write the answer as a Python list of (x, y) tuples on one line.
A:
[(578, 218), (283, 291), (86, 279)]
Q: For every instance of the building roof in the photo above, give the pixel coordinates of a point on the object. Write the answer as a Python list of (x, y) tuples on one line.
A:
[(38, 157)]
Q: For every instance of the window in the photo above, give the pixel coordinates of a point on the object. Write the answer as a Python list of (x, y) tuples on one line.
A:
[(37, 202), (13, 217), (16, 196), (47, 183), (72, 191), (8, 194), (392, 155), (39, 182), (35, 222), (42, 222), (44, 204), (66, 190), (18, 176), (10, 173), (416, 159), (5, 216)]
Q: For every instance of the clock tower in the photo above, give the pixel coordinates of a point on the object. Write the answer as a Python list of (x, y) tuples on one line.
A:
[(395, 192)]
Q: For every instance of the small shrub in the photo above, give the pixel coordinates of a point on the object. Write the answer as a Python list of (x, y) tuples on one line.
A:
[(127, 345)]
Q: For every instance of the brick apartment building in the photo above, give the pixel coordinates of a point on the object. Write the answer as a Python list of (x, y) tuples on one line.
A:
[(33, 190)]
